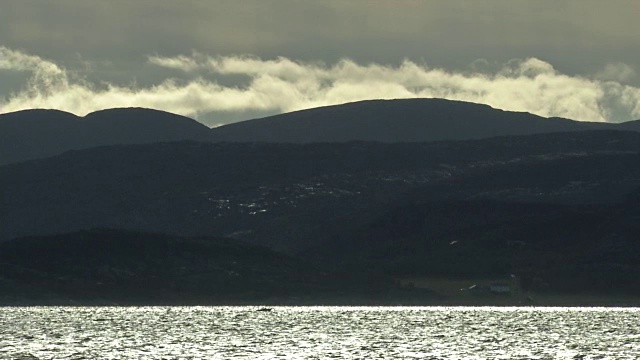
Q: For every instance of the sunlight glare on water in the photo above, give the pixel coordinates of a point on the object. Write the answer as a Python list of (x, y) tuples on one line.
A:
[(319, 333)]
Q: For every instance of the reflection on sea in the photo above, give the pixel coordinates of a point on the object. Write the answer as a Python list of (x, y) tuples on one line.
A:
[(319, 333)]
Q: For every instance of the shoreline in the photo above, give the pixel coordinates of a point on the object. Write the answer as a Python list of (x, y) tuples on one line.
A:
[(546, 301)]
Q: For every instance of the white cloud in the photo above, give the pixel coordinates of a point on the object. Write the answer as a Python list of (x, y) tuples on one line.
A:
[(19, 61), (282, 84)]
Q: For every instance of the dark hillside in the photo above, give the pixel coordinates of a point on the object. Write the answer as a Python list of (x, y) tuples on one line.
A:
[(403, 120), (570, 198), (33, 134), (141, 126), (576, 249), (36, 134), (125, 267), (194, 188)]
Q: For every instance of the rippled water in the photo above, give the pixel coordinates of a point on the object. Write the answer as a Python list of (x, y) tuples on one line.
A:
[(318, 333)]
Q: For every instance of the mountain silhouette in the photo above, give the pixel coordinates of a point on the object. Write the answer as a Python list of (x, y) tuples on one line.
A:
[(39, 133), (33, 134), (401, 120)]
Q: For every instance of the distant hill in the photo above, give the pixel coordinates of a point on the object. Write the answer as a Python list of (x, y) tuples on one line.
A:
[(402, 120), (32, 134), (629, 125), (567, 248), (194, 188), (107, 266), (572, 198)]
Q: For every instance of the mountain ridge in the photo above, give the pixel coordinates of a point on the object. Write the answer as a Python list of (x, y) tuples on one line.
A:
[(38, 133), (398, 120)]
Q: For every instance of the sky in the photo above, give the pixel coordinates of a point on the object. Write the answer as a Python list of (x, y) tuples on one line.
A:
[(223, 61)]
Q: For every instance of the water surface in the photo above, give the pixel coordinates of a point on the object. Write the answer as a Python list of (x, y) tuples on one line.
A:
[(319, 333)]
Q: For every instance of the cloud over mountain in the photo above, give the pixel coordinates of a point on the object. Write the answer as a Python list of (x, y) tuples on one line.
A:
[(198, 84)]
